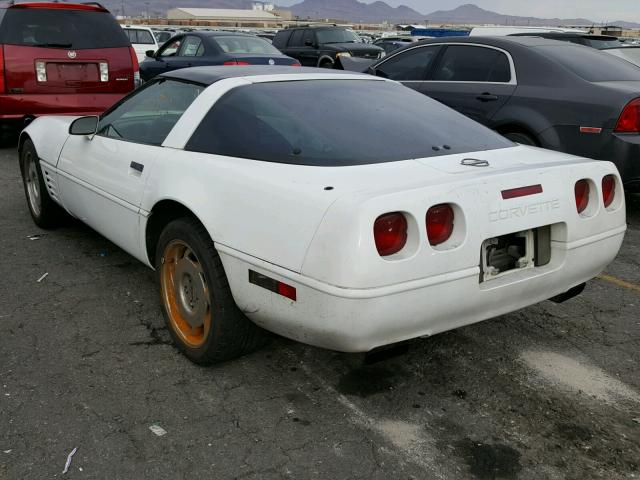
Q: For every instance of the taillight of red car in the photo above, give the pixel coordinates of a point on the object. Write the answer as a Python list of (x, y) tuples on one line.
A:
[(236, 62), (439, 223), (629, 121), (582, 192), (2, 84), (608, 190), (390, 233), (136, 68)]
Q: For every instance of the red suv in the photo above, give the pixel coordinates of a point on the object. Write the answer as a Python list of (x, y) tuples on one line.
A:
[(62, 58)]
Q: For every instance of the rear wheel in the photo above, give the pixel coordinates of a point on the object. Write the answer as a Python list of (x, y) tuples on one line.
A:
[(326, 64), (199, 310), (521, 138), (44, 211)]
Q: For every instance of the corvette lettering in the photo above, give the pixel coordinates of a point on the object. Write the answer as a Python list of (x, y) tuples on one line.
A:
[(524, 210)]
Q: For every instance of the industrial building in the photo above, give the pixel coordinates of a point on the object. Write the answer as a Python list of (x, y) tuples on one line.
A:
[(225, 17)]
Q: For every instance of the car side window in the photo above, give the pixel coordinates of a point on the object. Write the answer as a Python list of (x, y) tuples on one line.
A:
[(296, 38), (171, 48), (191, 47), (412, 64), (308, 37), (466, 63), (149, 114)]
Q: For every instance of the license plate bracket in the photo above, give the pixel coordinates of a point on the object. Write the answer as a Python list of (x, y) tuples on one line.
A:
[(507, 254)]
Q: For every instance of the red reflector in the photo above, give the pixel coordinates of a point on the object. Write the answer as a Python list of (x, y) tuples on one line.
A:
[(272, 285), (439, 223), (629, 121), (236, 62), (608, 190), (590, 130), (521, 192), (287, 291), (390, 233), (582, 190), (297, 64)]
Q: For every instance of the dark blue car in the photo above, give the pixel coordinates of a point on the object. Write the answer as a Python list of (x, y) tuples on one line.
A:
[(195, 49)]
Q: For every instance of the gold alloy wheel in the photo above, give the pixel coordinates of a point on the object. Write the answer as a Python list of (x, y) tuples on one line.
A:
[(185, 293)]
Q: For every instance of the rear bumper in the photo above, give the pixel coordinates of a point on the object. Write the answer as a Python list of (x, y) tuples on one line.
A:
[(359, 320), (16, 107)]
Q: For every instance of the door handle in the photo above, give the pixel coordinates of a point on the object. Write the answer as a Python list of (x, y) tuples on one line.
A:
[(138, 167), (487, 97)]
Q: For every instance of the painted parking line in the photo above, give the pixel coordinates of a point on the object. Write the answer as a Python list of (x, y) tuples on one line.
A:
[(619, 282)]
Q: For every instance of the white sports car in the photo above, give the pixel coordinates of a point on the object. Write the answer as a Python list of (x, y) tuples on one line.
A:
[(341, 210)]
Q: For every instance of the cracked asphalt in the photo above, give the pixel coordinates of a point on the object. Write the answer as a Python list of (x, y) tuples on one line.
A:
[(548, 392)]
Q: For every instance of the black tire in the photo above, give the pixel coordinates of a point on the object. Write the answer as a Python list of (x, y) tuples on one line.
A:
[(521, 138), (229, 334), (45, 212)]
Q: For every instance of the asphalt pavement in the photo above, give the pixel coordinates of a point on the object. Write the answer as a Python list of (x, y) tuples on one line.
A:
[(548, 392)]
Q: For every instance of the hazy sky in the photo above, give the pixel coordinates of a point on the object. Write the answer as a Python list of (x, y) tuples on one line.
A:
[(596, 10)]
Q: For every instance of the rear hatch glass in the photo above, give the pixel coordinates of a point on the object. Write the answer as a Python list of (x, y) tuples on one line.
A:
[(61, 28), (63, 50)]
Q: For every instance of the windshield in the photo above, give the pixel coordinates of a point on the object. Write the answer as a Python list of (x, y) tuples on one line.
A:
[(337, 35), (240, 44), (357, 122), (590, 64), (77, 29)]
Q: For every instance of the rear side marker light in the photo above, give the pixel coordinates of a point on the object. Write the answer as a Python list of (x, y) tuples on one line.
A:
[(390, 233), (272, 285), (629, 121), (104, 72), (595, 130), (521, 192), (236, 62), (439, 223), (41, 71), (608, 190), (582, 191)]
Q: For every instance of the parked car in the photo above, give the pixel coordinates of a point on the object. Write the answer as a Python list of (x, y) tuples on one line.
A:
[(501, 30), (323, 46), (291, 216), (212, 48), (630, 54), (390, 44), (535, 91), (62, 58), (142, 40)]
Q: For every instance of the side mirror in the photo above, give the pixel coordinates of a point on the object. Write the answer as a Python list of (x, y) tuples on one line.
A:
[(84, 126), (150, 53)]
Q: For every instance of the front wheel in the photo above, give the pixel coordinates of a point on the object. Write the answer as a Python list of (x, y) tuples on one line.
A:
[(521, 138), (44, 211), (198, 307)]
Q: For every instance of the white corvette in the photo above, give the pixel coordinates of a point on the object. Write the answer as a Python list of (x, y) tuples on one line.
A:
[(340, 210)]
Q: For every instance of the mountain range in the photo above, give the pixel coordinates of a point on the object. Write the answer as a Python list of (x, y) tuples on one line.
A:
[(357, 11)]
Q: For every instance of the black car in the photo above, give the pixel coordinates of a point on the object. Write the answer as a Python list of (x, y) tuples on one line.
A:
[(535, 91), (195, 49), (323, 46)]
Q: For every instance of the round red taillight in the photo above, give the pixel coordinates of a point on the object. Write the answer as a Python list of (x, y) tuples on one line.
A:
[(582, 191), (439, 223), (390, 233), (608, 190), (629, 121)]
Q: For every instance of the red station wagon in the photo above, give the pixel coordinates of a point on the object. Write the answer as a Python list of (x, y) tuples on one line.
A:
[(62, 58)]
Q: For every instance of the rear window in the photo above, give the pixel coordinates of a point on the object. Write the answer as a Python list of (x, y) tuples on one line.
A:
[(239, 44), (357, 122), (590, 64), (77, 29)]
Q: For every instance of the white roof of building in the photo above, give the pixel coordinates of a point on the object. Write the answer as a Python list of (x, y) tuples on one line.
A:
[(224, 13)]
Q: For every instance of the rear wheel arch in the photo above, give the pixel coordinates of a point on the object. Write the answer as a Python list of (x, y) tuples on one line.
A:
[(325, 60), (517, 129), (163, 213)]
